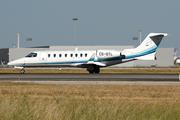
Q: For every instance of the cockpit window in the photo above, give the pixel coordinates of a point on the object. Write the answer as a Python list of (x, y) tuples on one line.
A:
[(32, 55)]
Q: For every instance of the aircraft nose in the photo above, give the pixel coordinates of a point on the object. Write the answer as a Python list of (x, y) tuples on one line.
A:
[(18, 62), (10, 63)]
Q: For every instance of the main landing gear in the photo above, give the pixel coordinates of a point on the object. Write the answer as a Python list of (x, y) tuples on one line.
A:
[(94, 70)]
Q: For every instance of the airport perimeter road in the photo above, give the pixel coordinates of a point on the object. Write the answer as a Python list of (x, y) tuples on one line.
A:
[(88, 77)]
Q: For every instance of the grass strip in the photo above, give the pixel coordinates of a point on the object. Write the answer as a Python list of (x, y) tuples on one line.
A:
[(42, 102)]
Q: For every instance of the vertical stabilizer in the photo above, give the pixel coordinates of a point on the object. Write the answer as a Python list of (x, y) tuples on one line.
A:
[(147, 49), (175, 54)]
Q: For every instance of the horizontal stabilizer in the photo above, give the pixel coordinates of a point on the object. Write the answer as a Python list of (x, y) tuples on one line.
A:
[(157, 34)]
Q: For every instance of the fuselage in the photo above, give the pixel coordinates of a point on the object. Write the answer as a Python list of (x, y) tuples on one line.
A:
[(68, 58)]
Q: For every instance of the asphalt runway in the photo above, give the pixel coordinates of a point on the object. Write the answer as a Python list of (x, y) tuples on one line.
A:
[(88, 77)]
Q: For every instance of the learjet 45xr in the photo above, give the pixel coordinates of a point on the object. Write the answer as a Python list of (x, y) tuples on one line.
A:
[(93, 60)]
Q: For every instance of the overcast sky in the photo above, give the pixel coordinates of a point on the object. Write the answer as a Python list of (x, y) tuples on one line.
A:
[(100, 22)]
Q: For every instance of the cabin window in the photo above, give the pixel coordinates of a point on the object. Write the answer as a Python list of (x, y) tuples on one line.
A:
[(71, 55), (54, 55), (65, 55), (49, 55), (86, 55), (81, 54), (59, 55), (32, 55), (76, 55)]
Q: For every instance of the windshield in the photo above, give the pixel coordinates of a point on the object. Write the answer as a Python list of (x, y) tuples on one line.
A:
[(32, 55)]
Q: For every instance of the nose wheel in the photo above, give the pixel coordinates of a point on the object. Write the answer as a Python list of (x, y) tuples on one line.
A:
[(22, 71)]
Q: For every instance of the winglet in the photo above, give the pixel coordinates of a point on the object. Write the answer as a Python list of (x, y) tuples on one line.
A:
[(91, 60)]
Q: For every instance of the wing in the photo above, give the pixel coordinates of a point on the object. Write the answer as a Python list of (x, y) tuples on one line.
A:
[(92, 62)]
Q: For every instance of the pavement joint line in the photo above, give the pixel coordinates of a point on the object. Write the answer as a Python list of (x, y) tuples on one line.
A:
[(101, 82)]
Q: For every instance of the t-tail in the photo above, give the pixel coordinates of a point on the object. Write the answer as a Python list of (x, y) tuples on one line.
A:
[(147, 49)]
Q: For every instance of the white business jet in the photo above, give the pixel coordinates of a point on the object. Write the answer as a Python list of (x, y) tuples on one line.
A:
[(93, 60)]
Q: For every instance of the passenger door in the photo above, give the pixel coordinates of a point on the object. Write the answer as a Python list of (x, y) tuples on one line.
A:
[(43, 56)]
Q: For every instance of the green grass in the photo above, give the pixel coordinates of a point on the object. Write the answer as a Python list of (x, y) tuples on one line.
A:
[(90, 102)]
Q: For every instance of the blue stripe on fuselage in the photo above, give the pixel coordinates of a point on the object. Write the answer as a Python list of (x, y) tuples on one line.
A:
[(142, 53), (60, 62)]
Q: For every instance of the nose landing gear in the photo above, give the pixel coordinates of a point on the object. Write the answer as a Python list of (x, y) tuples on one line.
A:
[(22, 71)]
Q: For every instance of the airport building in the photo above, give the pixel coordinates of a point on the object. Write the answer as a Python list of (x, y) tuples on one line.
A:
[(164, 55)]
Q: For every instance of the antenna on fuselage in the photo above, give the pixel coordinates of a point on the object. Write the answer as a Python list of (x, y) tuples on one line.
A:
[(76, 49)]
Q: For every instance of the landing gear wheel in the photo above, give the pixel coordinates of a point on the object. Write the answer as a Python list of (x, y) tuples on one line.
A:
[(96, 70), (91, 71), (22, 71)]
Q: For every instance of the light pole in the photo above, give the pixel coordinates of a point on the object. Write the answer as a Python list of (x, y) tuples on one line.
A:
[(140, 35), (18, 33), (75, 30)]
